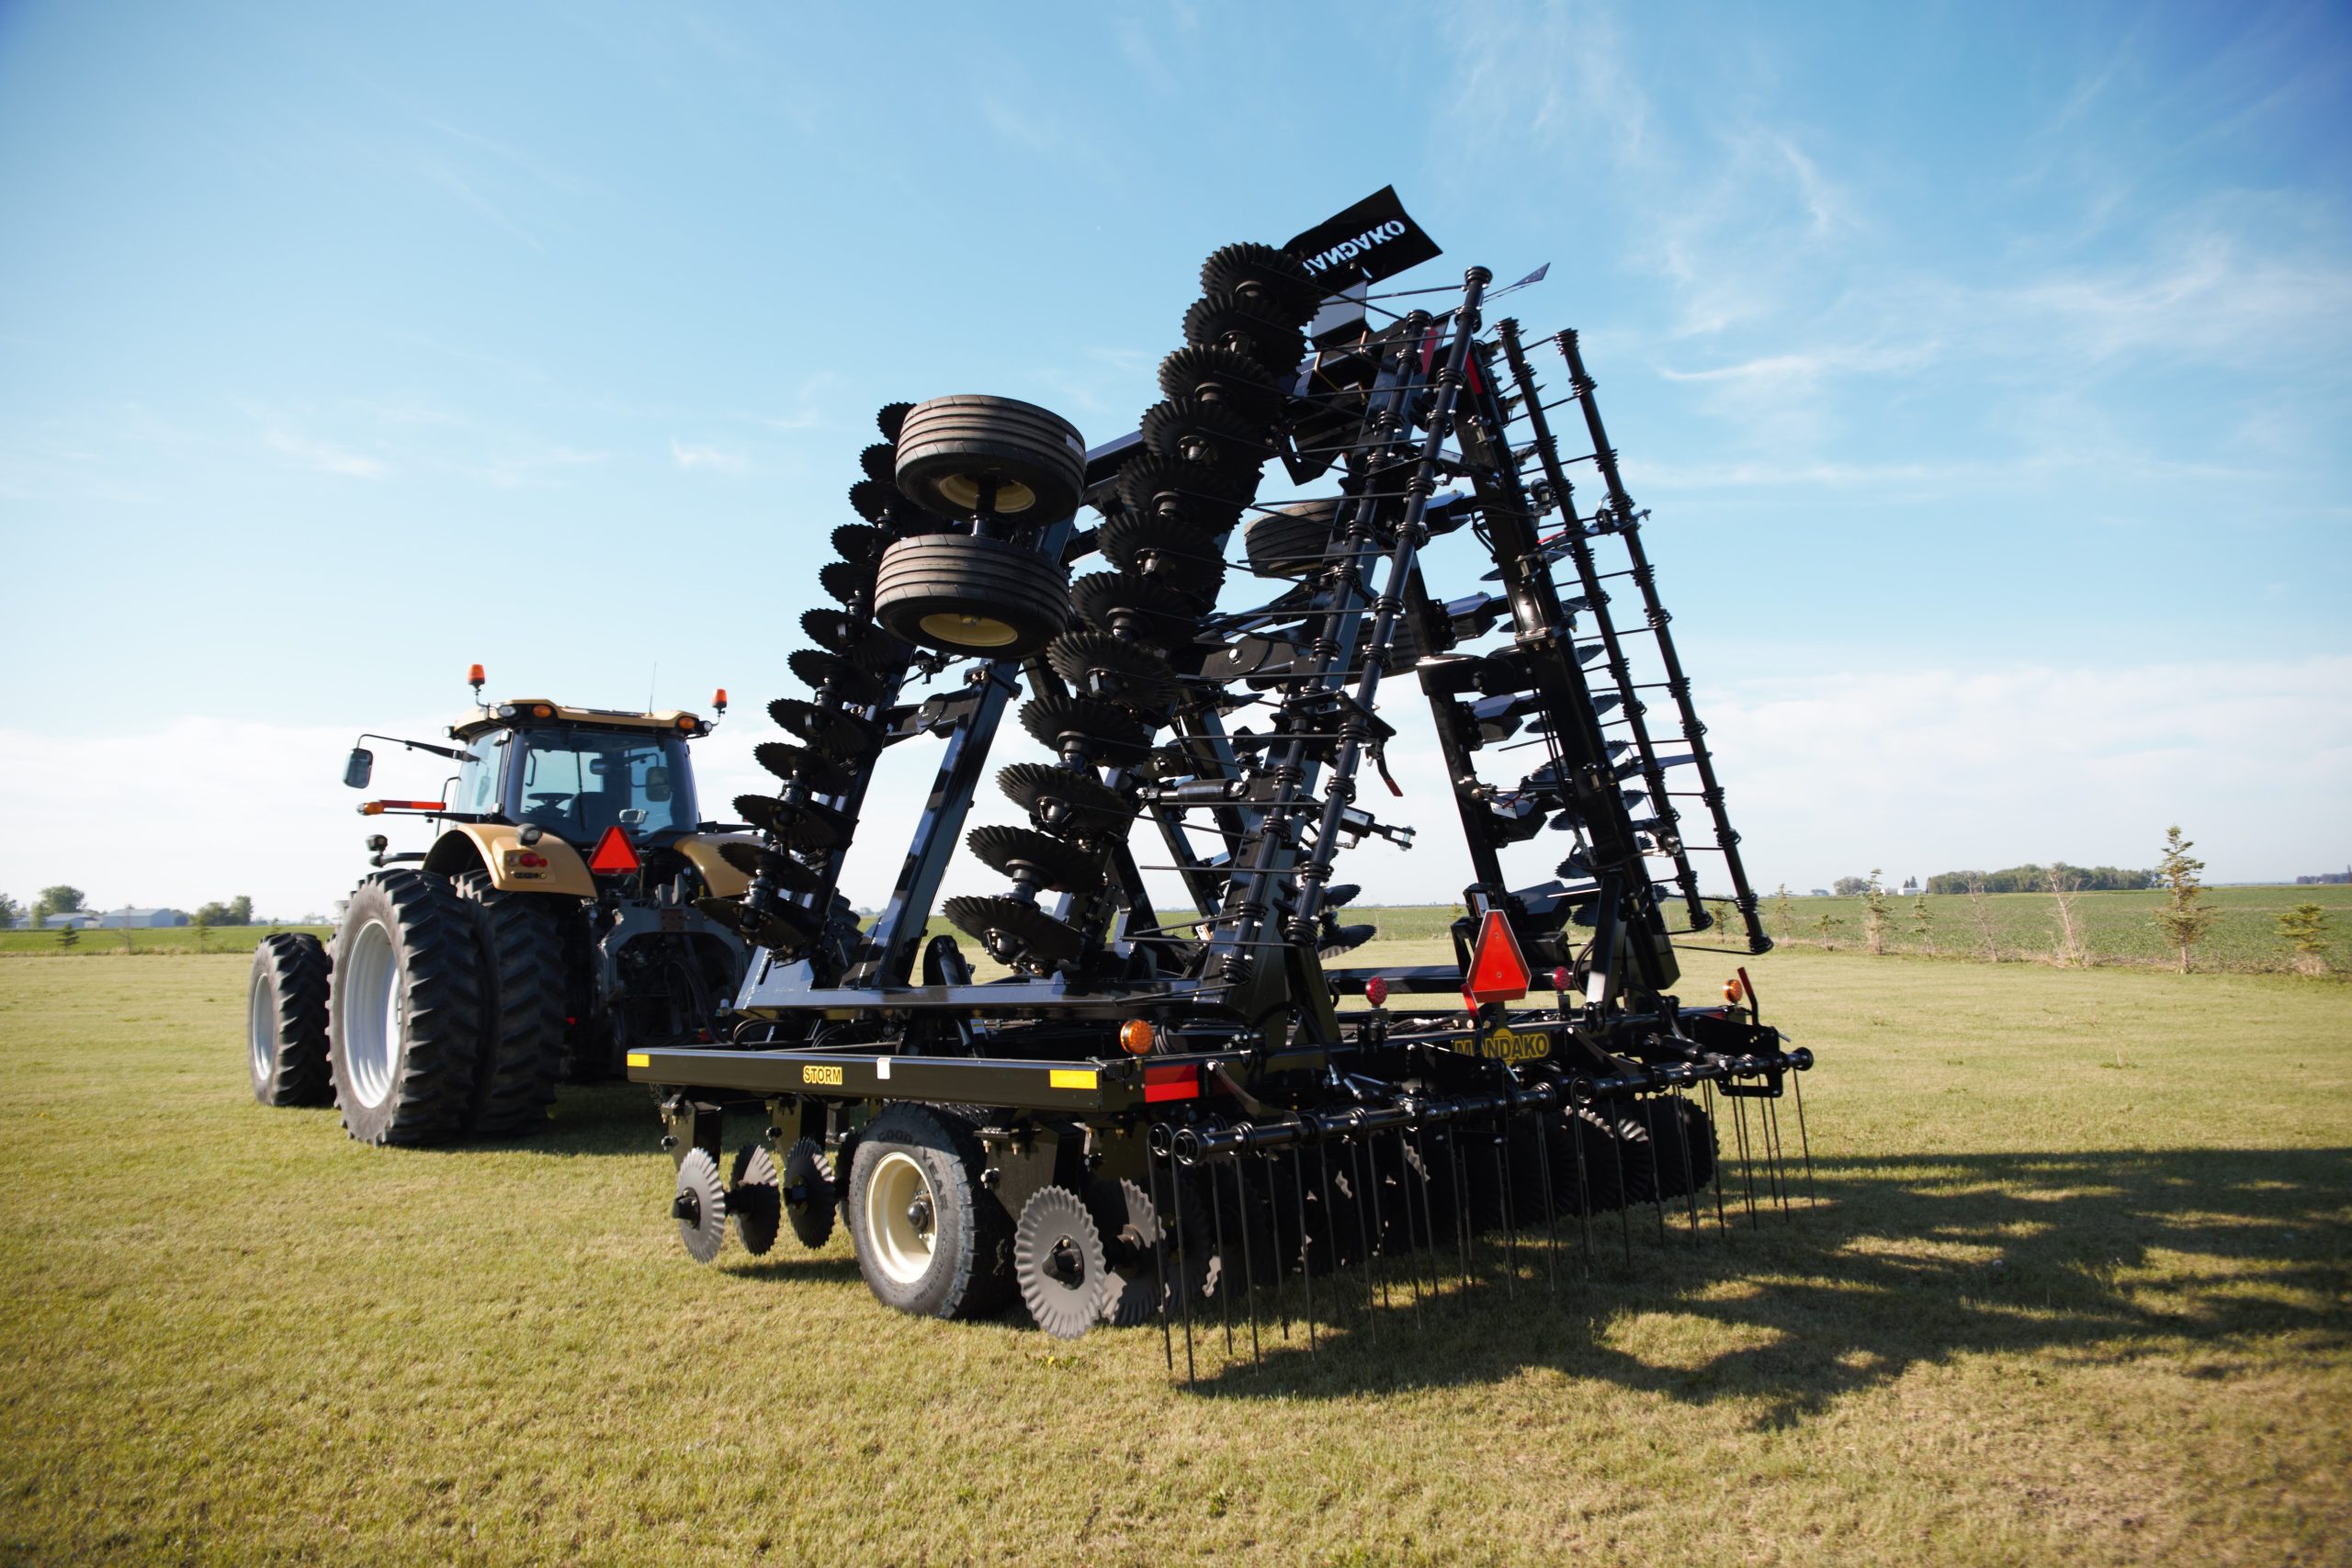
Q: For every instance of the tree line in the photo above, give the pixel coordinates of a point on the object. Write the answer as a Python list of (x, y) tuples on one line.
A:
[(2039, 878)]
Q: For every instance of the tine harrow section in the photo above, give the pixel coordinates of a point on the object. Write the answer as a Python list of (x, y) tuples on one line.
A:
[(1205, 1116)]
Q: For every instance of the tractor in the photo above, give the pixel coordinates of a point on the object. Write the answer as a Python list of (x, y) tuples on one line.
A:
[(547, 930)]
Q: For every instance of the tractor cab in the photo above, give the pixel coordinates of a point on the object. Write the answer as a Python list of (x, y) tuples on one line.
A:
[(578, 774)]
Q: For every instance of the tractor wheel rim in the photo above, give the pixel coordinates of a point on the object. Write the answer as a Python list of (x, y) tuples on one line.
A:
[(960, 628), (371, 1021), (261, 1031), (903, 1247)]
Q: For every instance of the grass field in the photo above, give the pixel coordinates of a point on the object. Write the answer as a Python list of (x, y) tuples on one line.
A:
[(2049, 1307)]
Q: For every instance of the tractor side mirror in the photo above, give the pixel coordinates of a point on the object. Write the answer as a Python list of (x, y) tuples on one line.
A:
[(656, 783), (360, 767)]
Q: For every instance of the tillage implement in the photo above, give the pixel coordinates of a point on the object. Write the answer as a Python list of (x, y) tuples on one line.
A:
[(1207, 1113)]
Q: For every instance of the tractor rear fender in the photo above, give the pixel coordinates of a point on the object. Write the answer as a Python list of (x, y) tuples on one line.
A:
[(498, 849), (722, 880)]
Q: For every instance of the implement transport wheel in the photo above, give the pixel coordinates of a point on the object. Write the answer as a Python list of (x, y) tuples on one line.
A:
[(699, 1206), (404, 1009), (961, 454), (962, 593), (285, 1021), (1057, 1258), (930, 1239), (809, 1193), (521, 1059)]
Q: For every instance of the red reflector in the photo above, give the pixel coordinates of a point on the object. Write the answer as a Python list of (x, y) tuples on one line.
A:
[(613, 852), (1176, 1081), (1497, 971)]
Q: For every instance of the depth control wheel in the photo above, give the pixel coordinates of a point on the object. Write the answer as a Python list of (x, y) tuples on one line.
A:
[(961, 454), (930, 1239), (962, 593)]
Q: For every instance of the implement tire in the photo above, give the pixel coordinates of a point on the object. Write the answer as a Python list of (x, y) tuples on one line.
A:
[(930, 1239), (950, 448), (404, 1009), (521, 1059), (970, 595), (285, 1021)]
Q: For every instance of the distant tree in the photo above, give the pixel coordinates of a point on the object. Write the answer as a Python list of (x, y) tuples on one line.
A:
[(2036, 878), (1874, 914), (2185, 916), (67, 935), (201, 921), (1980, 907), (1911, 885), (58, 900), (1850, 887), (226, 914), (9, 913), (242, 907), (1829, 925), (2305, 929), (1923, 924), (1719, 912), (1784, 913), (2063, 884)]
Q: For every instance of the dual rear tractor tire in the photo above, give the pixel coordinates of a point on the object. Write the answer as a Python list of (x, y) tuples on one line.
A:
[(439, 1012)]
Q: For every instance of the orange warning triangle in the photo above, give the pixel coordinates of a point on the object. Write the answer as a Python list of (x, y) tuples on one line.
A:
[(613, 852), (1499, 972)]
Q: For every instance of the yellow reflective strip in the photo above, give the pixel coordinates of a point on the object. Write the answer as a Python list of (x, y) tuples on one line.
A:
[(640, 1059), (1071, 1077)]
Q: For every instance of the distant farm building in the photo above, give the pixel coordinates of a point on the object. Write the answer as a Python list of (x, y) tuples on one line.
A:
[(2325, 879), (141, 919)]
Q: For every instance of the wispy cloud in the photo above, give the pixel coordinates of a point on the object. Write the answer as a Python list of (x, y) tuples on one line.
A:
[(326, 456), (714, 458)]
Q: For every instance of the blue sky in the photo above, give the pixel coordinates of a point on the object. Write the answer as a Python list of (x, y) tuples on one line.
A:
[(1983, 366)]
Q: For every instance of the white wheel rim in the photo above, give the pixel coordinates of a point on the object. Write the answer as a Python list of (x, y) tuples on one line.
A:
[(371, 1014), (901, 1248), (261, 1029)]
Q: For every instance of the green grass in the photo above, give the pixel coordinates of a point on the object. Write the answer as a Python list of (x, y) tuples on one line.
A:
[(2051, 1307), (2118, 927), (169, 939)]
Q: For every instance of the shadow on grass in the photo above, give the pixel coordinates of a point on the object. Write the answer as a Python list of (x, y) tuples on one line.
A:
[(2099, 1257)]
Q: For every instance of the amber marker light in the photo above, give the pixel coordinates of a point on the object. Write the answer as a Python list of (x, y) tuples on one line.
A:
[(474, 677), (1731, 991), (1135, 1037)]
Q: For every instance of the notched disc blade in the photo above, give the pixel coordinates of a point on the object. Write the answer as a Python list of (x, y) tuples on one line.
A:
[(1049, 862), (699, 1206), (1109, 601), (843, 735), (1103, 732), (851, 582), (1160, 549), (756, 1198), (1066, 799), (823, 774), (786, 928), (1222, 375), (1014, 930), (781, 870), (809, 1198), (850, 681), (1097, 664), (854, 638)]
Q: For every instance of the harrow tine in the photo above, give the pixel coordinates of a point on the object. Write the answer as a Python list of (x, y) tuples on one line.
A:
[(1274, 1224), (1323, 1168), (1305, 1275), (1746, 1171), (1584, 1193), (1163, 1218), (1429, 1216), (1502, 1151), (1658, 1176), (1364, 1238), (1376, 1252), (1249, 1264), (1174, 1226), (1551, 1204), (1224, 1274), (1624, 1199), (1461, 1203), (1796, 1084), (1690, 1177), (1780, 1155), (1412, 1264), (1714, 1136)]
